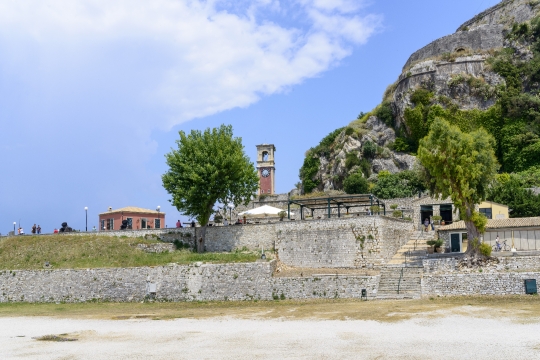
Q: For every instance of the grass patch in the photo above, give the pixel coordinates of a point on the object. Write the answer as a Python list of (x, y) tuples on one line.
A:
[(518, 308), (94, 251), (55, 338)]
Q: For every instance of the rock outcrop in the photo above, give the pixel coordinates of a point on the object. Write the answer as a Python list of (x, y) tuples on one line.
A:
[(454, 70)]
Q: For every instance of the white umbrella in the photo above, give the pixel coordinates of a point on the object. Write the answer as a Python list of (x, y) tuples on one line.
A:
[(262, 211)]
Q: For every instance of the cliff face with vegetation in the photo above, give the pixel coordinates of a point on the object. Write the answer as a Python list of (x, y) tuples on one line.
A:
[(486, 75)]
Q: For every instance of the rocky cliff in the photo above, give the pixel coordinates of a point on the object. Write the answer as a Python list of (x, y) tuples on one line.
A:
[(487, 74)]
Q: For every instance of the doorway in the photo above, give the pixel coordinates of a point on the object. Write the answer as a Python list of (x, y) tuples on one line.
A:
[(455, 243), (426, 212), (446, 214)]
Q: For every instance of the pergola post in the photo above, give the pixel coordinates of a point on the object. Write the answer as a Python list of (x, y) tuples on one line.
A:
[(289, 210), (329, 211), (312, 213), (301, 212), (371, 201), (379, 207), (338, 210)]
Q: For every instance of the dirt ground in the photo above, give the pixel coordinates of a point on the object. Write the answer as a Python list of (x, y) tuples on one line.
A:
[(457, 328)]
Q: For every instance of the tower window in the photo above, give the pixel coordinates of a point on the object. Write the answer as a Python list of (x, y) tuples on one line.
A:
[(265, 156)]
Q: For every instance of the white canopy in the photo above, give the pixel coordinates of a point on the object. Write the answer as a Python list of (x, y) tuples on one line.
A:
[(262, 211)]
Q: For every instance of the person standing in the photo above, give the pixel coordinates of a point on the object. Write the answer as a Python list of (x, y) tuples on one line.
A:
[(55, 231), (21, 231), (38, 229), (178, 224), (34, 229), (426, 224)]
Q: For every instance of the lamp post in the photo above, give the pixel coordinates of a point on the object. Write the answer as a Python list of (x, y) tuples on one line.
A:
[(230, 206), (86, 211), (158, 208), (14, 223)]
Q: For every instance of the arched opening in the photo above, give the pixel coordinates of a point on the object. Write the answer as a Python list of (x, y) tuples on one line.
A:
[(460, 50), (265, 156)]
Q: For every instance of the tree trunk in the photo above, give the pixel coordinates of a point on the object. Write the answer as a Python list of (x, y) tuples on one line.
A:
[(472, 235), (200, 240)]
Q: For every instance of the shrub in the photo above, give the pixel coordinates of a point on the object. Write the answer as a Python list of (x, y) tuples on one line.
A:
[(435, 243), (485, 249), (351, 160), (369, 150), (394, 206), (385, 113), (397, 213), (349, 131), (365, 167), (355, 184)]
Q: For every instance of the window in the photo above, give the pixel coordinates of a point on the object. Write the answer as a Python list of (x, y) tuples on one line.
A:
[(265, 156), (130, 223), (102, 224), (157, 223), (110, 224), (487, 212), (143, 223)]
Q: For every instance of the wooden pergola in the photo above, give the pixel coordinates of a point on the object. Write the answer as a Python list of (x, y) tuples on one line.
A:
[(335, 202)]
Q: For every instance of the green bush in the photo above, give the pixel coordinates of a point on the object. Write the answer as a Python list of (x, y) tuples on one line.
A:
[(385, 113), (397, 213), (349, 131), (351, 160), (369, 150), (485, 249), (394, 206), (355, 184), (365, 167), (421, 97)]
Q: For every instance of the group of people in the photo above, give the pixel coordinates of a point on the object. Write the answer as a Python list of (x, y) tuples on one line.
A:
[(179, 224), (427, 224), (35, 230)]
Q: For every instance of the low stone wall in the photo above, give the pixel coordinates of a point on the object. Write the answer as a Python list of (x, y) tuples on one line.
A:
[(199, 282), (506, 263), (476, 284)]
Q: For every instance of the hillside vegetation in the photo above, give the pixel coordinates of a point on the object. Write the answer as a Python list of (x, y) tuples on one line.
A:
[(93, 251), (502, 95)]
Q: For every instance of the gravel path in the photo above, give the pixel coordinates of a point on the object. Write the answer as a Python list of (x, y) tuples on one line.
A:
[(445, 337)]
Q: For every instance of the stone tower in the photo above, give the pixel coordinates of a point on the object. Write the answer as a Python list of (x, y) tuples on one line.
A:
[(266, 168)]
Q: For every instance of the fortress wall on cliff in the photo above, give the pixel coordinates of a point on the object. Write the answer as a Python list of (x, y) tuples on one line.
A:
[(482, 38)]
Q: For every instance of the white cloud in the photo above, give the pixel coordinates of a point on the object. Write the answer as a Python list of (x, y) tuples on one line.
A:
[(215, 54)]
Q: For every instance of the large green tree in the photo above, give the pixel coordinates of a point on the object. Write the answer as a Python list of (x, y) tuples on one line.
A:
[(461, 166), (206, 168)]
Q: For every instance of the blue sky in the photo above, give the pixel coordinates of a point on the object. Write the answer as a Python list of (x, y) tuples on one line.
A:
[(93, 93)]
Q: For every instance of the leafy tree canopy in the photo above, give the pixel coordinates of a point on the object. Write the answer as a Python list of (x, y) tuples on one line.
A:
[(509, 191), (400, 185), (355, 184), (460, 166), (208, 167)]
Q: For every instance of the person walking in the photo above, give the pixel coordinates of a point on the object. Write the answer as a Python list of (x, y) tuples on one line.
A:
[(38, 229)]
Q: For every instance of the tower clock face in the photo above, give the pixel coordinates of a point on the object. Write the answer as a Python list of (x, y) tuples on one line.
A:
[(265, 173)]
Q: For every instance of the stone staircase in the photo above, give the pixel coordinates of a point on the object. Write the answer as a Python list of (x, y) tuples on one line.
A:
[(414, 251), (400, 282)]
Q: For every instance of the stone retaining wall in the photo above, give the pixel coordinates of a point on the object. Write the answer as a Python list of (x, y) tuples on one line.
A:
[(506, 263), (199, 282), (332, 244), (476, 284)]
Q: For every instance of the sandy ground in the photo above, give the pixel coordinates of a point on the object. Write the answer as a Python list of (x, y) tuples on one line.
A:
[(444, 336)]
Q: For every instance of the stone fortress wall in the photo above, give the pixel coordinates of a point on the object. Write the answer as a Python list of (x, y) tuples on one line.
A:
[(198, 282), (506, 12), (482, 38), (250, 281)]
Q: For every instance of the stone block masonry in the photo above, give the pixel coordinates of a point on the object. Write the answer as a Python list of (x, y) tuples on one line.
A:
[(197, 282), (476, 284)]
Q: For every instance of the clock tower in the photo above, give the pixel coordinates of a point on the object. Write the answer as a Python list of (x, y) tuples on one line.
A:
[(266, 168)]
